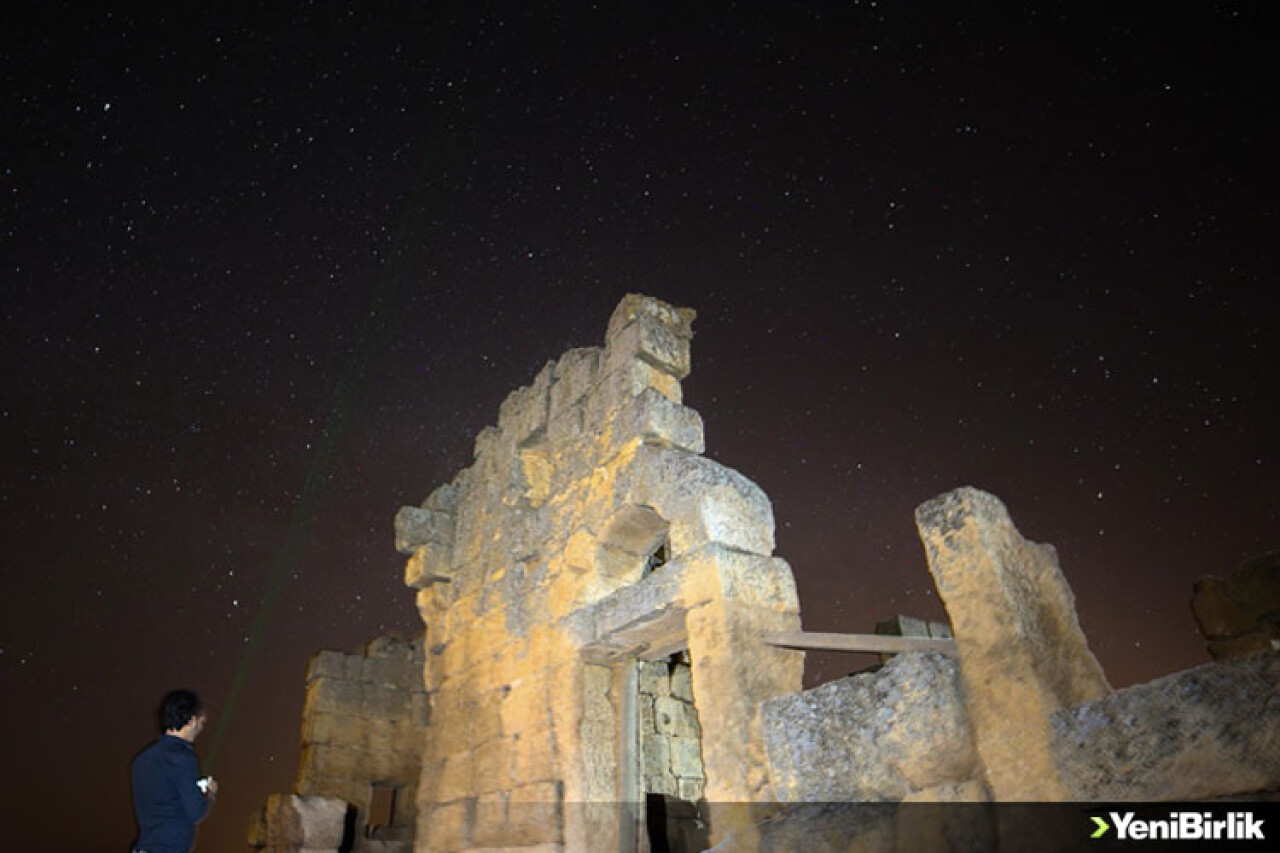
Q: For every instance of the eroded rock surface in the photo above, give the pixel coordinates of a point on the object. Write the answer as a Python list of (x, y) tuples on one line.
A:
[(1023, 655), (883, 735), (1210, 731)]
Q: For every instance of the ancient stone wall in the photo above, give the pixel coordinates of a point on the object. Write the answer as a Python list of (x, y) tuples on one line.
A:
[(588, 534), (1022, 714), (363, 723)]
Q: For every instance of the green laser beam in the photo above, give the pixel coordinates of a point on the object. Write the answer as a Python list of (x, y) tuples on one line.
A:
[(378, 325)]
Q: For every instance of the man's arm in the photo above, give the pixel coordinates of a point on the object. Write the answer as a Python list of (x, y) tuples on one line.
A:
[(195, 805)]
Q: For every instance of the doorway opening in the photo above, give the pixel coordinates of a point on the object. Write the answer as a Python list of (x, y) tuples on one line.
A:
[(671, 771)]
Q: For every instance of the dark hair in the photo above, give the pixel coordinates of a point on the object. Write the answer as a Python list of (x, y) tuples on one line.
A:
[(177, 709)]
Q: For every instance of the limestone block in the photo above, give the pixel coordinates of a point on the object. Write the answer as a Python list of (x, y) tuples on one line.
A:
[(493, 765), (447, 826), (689, 789), (674, 718), (327, 664), (305, 822), (533, 757), (662, 784), (636, 307), (380, 701), (486, 721), (387, 671), (681, 682), (647, 724), (417, 526), (686, 757), (526, 706), (535, 814), (325, 728), (488, 830), (1210, 731), (765, 583), (455, 777), (654, 678), (332, 696), (605, 409), (656, 759), (871, 737), (733, 672), (650, 339), (575, 373), (656, 419), (1022, 653), (326, 761), (523, 414), (704, 502)]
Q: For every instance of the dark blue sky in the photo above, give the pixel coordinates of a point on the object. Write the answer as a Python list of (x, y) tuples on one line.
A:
[(268, 271)]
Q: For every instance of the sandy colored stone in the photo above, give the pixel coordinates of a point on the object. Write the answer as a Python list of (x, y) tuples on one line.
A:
[(446, 827), (733, 673), (1022, 652), (305, 822), (879, 736), (1213, 730)]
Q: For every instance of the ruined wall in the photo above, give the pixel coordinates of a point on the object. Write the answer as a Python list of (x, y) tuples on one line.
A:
[(589, 533), (363, 723), (1022, 714)]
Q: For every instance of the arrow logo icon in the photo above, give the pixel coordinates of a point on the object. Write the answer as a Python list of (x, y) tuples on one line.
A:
[(1103, 826)]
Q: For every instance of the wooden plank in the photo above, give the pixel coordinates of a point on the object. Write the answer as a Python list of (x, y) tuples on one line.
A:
[(870, 643)]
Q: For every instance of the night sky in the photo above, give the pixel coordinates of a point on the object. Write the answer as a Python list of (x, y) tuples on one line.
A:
[(268, 272)]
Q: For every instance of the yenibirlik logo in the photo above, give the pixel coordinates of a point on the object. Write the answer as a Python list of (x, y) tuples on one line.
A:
[(1182, 826)]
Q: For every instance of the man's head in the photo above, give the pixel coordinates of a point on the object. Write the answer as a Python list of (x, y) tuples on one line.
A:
[(182, 714)]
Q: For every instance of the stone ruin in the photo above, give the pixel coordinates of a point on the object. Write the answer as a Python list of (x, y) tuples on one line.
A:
[(363, 724), (597, 596)]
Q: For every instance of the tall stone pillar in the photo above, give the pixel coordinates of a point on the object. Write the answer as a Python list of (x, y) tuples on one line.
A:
[(1022, 653)]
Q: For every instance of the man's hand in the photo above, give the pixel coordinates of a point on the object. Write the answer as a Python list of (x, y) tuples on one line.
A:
[(212, 790)]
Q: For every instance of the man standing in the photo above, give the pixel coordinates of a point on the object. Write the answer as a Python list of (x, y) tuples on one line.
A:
[(169, 798)]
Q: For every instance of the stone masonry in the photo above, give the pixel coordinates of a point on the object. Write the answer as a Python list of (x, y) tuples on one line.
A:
[(589, 533), (363, 722)]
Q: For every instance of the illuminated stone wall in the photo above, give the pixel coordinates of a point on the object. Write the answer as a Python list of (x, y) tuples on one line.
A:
[(591, 533), (363, 723)]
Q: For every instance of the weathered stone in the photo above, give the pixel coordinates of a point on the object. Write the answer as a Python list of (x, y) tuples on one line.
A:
[(876, 736), (1209, 731), (417, 526), (686, 757), (363, 721), (1022, 653), (675, 718), (523, 414), (305, 822), (1241, 615)]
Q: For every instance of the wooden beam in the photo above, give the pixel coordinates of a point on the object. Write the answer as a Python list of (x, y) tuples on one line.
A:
[(870, 643)]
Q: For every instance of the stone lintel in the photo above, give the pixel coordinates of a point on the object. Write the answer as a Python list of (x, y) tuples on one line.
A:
[(655, 635)]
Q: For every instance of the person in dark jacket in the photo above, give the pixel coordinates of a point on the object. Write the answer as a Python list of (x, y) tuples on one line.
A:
[(169, 797)]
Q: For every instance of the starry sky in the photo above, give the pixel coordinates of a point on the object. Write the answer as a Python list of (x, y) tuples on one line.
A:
[(268, 269)]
